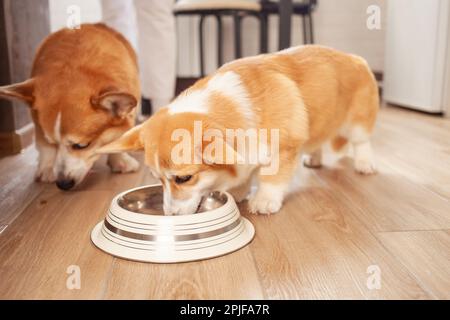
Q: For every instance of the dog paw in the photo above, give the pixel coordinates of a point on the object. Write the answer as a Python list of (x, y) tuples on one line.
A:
[(264, 205), (312, 162), (45, 174), (365, 167), (123, 163)]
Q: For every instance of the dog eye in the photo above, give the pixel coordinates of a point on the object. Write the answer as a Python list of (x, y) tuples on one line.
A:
[(182, 179), (80, 146)]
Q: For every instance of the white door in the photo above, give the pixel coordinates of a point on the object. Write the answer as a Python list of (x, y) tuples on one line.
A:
[(416, 53)]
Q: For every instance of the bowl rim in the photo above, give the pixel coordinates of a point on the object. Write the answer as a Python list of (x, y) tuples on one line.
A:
[(235, 244), (147, 219)]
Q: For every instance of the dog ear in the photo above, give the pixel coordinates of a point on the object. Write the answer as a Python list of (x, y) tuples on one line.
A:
[(22, 91), (129, 141), (119, 104)]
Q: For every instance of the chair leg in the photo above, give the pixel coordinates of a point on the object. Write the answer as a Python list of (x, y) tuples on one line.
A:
[(305, 30), (219, 41), (237, 35), (311, 29), (201, 42), (264, 34)]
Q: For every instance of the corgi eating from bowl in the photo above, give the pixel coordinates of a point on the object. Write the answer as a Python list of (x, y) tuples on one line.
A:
[(307, 96), (82, 95)]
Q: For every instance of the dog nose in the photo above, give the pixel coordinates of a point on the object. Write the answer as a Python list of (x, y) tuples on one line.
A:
[(65, 184)]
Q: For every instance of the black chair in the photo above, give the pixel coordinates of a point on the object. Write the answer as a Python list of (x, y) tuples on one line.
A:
[(238, 10), (218, 9), (304, 8)]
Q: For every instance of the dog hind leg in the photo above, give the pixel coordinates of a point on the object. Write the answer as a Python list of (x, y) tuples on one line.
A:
[(313, 160)]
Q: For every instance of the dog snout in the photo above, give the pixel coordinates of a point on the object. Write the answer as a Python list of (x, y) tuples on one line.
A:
[(65, 184), (180, 209), (170, 210)]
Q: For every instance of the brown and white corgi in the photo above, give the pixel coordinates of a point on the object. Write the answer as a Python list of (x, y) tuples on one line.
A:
[(310, 95), (82, 93)]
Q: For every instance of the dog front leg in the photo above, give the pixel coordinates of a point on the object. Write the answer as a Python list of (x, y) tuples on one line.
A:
[(269, 197), (272, 188), (47, 156), (122, 163)]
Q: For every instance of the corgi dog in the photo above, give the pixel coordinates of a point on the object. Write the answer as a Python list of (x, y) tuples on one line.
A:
[(310, 95), (83, 91)]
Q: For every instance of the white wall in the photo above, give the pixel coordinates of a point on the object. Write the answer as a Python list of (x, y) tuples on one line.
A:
[(90, 12), (342, 24), (338, 23)]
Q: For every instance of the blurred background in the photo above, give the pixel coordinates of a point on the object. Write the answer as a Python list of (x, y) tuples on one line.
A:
[(339, 24)]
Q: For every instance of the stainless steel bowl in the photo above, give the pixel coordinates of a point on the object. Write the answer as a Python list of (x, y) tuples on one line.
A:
[(136, 228), (150, 201)]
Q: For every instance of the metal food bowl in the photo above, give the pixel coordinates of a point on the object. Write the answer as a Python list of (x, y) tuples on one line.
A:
[(137, 229)]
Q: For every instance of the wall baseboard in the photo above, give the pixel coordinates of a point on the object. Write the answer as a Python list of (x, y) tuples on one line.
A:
[(14, 142)]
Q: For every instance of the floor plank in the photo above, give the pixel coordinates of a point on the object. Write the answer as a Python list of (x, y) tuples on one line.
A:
[(17, 190), (315, 249), (51, 235), (426, 254), (387, 201), (230, 277), (415, 145)]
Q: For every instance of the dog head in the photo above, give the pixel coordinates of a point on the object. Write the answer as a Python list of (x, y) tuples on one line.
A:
[(182, 154), (74, 116)]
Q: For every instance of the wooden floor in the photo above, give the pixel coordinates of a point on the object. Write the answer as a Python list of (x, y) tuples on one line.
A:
[(331, 232)]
